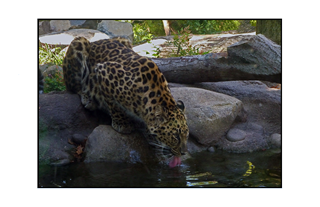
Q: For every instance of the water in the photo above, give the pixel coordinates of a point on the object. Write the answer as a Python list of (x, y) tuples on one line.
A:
[(204, 169)]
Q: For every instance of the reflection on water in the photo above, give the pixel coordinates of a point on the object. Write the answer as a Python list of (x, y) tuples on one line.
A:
[(204, 169)]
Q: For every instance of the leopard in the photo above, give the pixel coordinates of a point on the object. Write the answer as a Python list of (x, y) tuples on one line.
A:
[(108, 75)]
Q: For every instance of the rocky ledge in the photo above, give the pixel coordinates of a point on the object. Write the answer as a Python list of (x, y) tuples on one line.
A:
[(235, 116)]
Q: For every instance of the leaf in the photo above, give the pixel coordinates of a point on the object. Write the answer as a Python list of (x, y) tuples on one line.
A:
[(79, 150), (70, 142)]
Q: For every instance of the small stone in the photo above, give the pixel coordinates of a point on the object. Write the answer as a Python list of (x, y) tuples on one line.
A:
[(275, 140), (78, 138), (235, 135), (211, 149)]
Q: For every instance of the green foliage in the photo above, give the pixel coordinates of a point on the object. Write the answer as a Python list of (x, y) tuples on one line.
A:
[(141, 34), (52, 56), (253, 22), (145, 30), (205, 26), (54, 82), (157, 52), (183, 45)]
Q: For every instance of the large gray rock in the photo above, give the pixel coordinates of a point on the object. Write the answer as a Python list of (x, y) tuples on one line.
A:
[(105, 144), (60, 116), (44, 27), (115, 28), (65, 38), (256, 55), (261, 101), (59, 25), (209, 114)]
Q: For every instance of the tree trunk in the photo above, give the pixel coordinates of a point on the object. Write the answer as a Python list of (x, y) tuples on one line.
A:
[(256, 58), (166, 27), (270, 28)]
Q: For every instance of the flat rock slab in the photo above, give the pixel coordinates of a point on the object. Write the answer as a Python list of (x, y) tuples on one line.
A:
[(65, 38), (209, 114)]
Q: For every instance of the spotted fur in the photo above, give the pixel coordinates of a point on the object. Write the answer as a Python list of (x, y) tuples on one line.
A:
[(109, 75)]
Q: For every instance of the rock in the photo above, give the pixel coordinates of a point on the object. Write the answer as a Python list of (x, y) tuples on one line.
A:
[(211, 149), (105, 144), (89, 34), (59, 25), (253, 140), (78, 138), (44, 27), (261, 103), (253, 58), (148, 49), (193, 146), (235, 135), (262, 55), (52, 70), (275, 140), (209, 114), (115, 28), (84, 24), (65, 38), (60, 116)]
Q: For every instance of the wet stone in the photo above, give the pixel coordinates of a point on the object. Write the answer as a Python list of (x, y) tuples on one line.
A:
[(211, 149), (275, 140), (78, 138), (235, 135)]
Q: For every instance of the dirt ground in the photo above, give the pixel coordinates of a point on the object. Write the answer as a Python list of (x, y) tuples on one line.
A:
[(216, 43)]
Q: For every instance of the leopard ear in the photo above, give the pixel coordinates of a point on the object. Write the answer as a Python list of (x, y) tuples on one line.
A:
[(161, 114), (180, 105)]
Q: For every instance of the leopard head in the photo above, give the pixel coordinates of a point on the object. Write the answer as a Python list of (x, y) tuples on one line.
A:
[(170, 133)]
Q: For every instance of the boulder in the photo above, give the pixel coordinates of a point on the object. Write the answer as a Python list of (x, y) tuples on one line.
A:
[(105, 144), (115, 28), (44, 27), (65, 38), (209, 114), (261, 101), (59, 25), (60, 116)]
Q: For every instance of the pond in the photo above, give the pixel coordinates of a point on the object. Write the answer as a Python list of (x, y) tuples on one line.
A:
[(204, 169)]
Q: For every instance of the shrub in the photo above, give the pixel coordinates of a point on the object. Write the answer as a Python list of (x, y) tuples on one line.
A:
[(54, 82), (52, 56)]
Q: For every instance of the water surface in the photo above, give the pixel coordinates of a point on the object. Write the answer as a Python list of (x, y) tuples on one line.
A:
[(204, 169)]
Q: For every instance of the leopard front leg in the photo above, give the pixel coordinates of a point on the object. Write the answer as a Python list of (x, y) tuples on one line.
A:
[(120, 120), (87, 101)]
